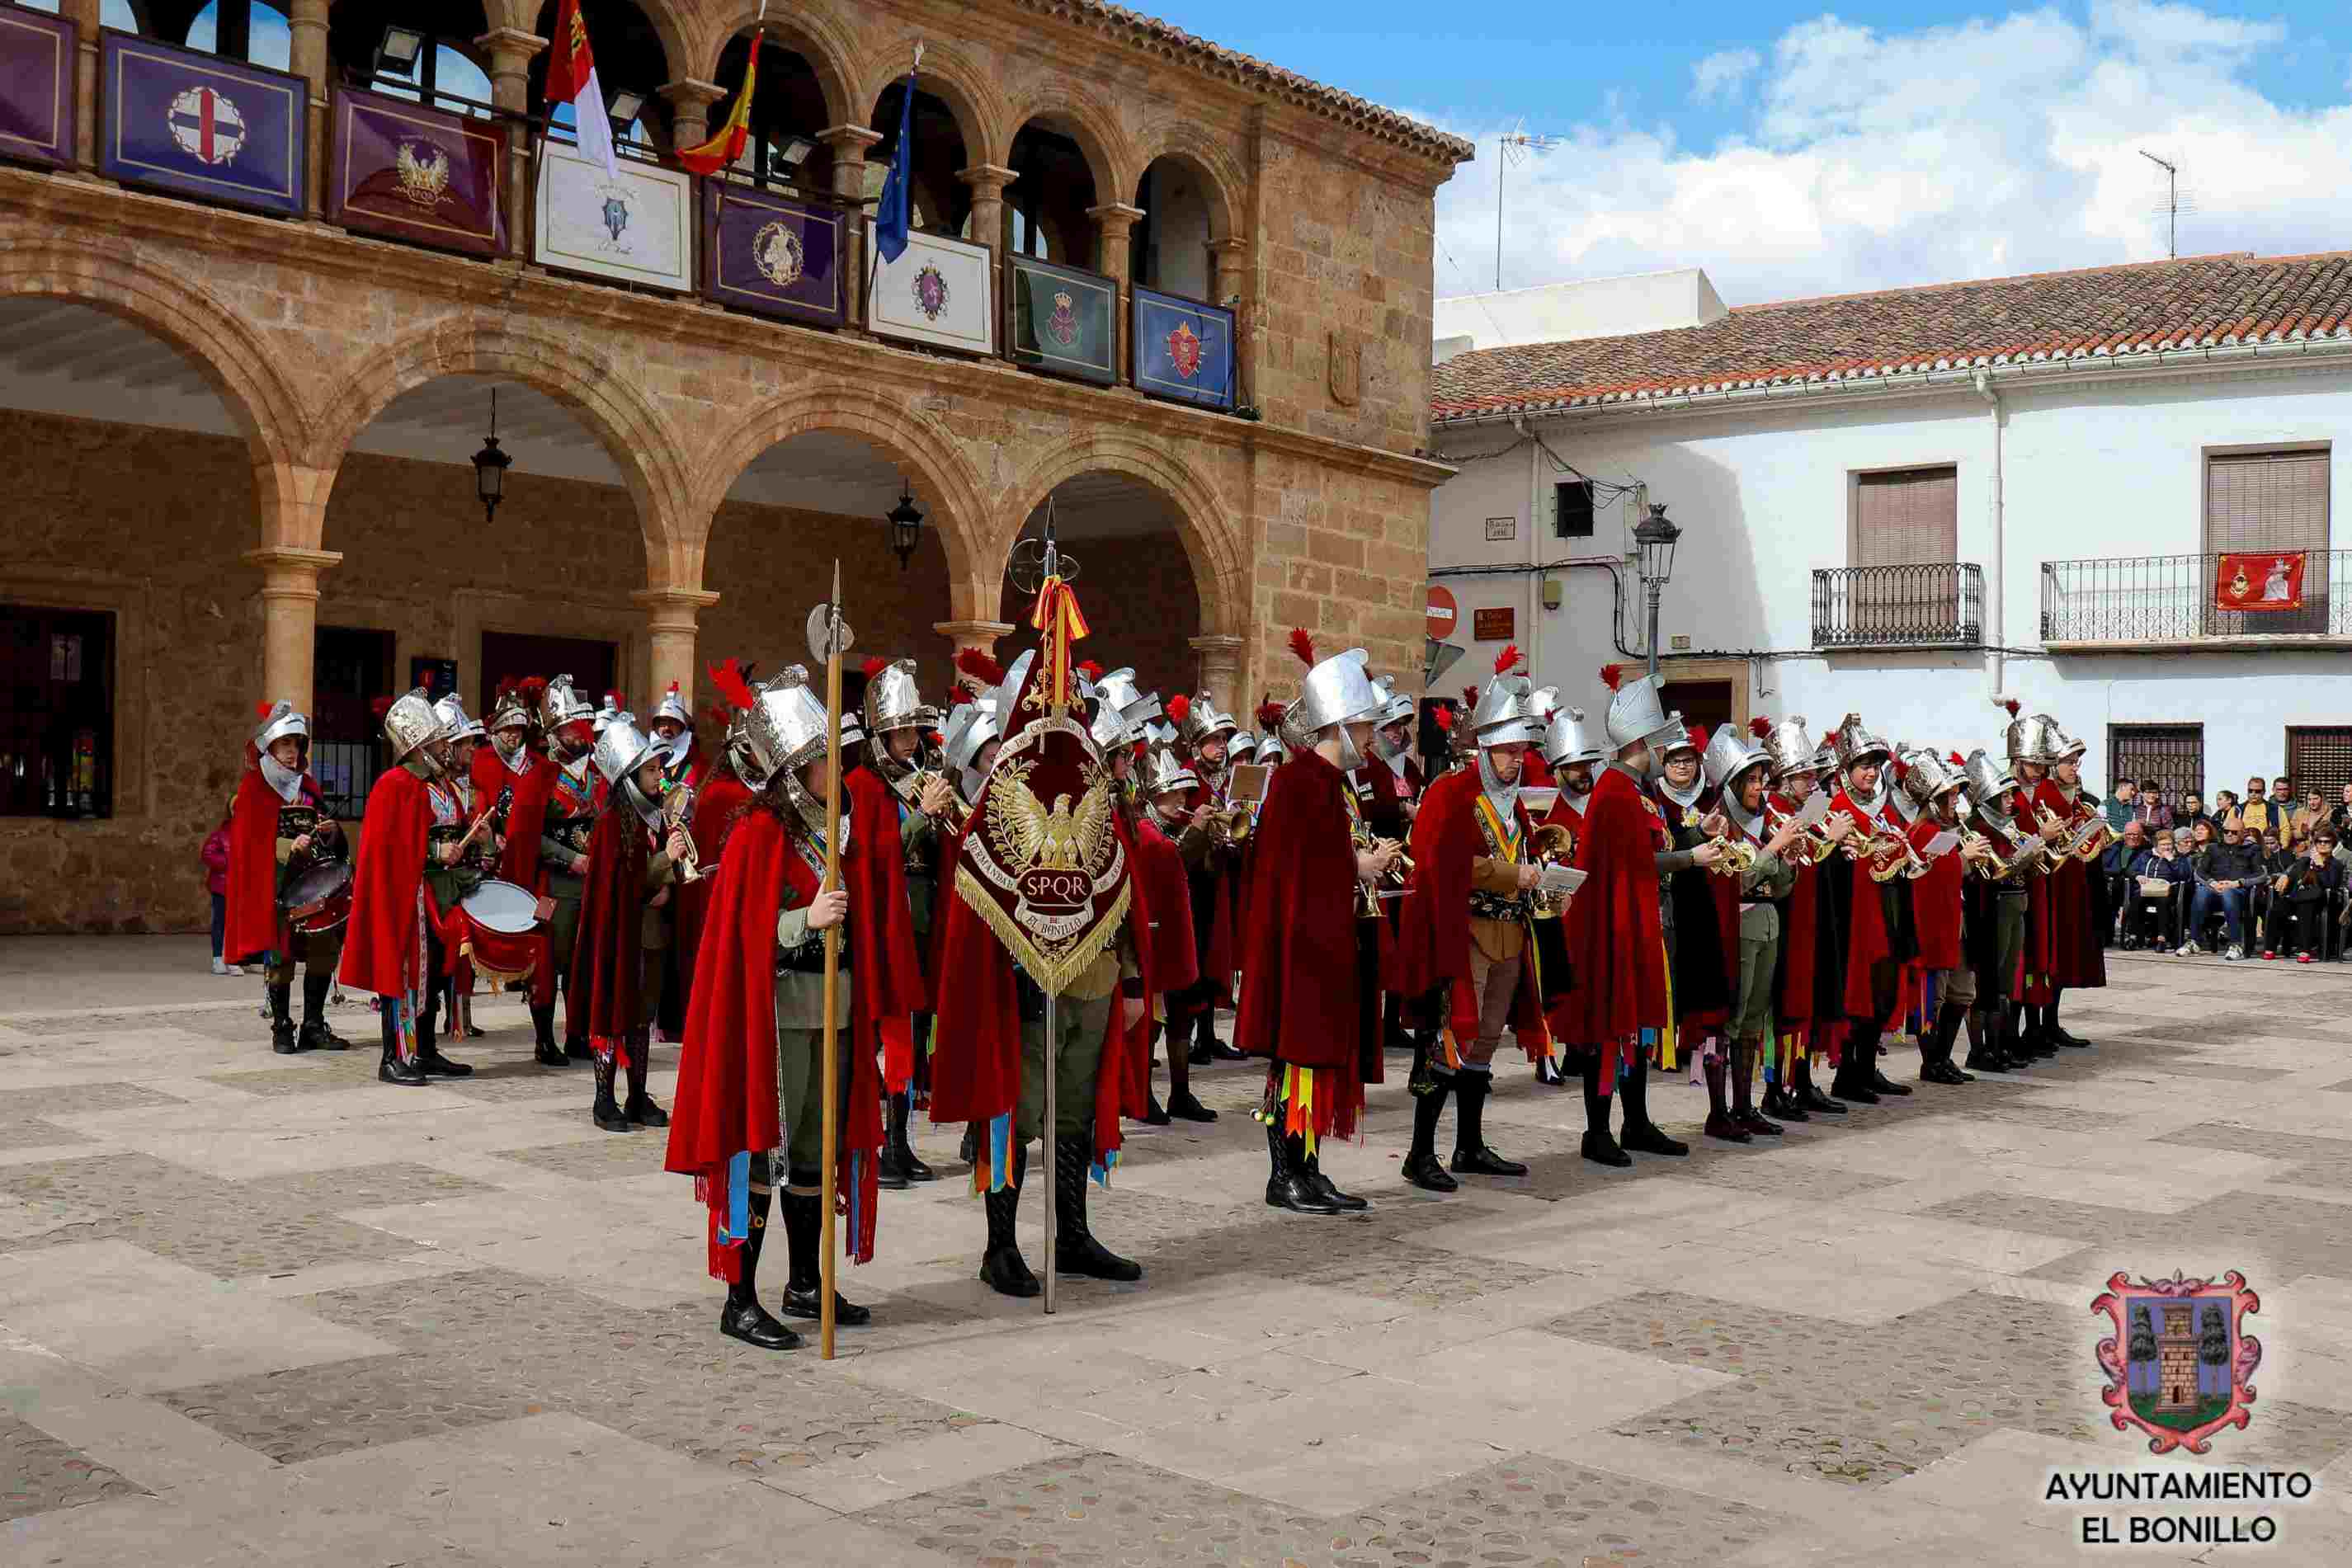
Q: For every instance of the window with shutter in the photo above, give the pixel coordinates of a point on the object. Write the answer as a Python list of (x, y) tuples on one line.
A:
[(2268, 501), (1907, 523)]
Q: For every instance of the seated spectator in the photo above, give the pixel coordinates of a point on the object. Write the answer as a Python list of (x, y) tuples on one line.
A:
[(2307, 820), (2226, 873), (2116, 864), (2262, 905), (2339, 817), (2203, 834), (2256, 813), (2119, 804), (2192, 812), (2159, 905), (2309, 897), (2150, 805)]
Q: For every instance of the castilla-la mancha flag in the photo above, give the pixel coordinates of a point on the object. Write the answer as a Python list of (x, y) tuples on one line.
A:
[(571, 78), (2271, 579)]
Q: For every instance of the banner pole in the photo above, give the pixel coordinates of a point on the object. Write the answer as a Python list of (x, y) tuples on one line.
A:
[(827, 1181), (1045, 1136)]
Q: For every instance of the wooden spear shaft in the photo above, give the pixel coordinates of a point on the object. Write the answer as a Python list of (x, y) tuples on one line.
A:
[(832, 954)]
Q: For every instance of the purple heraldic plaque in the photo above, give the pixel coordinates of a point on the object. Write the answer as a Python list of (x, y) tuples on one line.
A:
[(771, 255), (218, 130), (37, 87), (415, 173)]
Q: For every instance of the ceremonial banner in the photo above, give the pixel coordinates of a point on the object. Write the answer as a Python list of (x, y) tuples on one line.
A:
[(2270, 579), (218, 129), (1182, 350), (37, 87), (411, 173), (1063, 320), (937, 292), (771, 255), (638, 228)]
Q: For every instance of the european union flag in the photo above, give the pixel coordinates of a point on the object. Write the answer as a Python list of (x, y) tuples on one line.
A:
[(893, 214)]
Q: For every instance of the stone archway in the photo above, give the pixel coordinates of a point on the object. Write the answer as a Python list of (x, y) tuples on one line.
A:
[(806, 32)]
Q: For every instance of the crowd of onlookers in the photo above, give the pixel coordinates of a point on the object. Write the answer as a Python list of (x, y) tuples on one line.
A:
[(2252, 873)]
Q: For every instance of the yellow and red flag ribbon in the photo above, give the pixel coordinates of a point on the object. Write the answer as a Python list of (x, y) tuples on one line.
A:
[(728, 145), (1058, 622)]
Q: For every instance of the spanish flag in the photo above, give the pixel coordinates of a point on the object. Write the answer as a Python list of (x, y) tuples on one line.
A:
[(727, 146)]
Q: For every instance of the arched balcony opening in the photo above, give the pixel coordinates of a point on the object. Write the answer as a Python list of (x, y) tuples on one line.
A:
[(1046, 206), (942, 203), (788, 115)]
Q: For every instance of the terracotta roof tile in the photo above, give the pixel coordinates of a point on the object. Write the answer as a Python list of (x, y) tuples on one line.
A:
[(2109, 310)]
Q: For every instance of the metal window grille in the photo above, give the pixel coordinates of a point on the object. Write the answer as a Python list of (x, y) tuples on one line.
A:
[(2171, 754), (2170, 599), (2319, 757), (1928, 604)]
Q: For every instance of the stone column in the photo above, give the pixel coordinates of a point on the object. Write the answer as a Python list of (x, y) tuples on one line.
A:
[(85, 16), (689, 103), (1233, 259), (510, 50), (670, 616), (848, 144), (988, 182), (1221, 673), (290, 618), (980, 635), (309, 24), (1114, 222)]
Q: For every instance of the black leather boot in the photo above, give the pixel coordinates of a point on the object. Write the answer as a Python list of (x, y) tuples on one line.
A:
[(1642, 1135), (428, 1050), (1781, 1099), (1286, 1185), (1002, 1269), (1743, 1082), (1076, 1251), (606, 1110), (1345, 1202), (1857, 1063), (317, 1033), (1809, 1094), (1936, 1055), (889, 1170), (2056, 1030), (544, 1050), (1720, 1121), (1183, 1107), (282, 1022), (640, 1108), (575, 1046), (804, 1234), (743, 1317), (1984, 1047), (1422, 1165), (1599, 1146), (2035, 1040), (1471, 1154), (909, 1161), (392, 1069)]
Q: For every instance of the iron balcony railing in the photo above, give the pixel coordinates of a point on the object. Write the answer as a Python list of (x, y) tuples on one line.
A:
[(1937, 604), (2170, 599)]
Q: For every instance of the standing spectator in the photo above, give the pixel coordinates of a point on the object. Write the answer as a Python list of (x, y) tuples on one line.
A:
[(2308, 819), (2225, 804), (2117, 866), (2162, 881), (2119, 804), (2192, 812), (2256, 813), (215, 858), (2225, 875), (2153, 810)]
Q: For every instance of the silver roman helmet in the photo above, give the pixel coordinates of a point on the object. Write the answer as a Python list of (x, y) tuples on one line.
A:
[(1203, 720), (1927, 776), (673, 707), (1636, 711), (1988, 781), (282, 720), (409, 723), (1119, 711), (893, 701), (1242, 747), (785, 729), (1825, 758), (2028, 737), (1542, 702), (1567, 743), (1163, 771), (1337, 690), (609, 711), (1396, 707), (1857, 742), (561, 704), (622, 748), (2063, 747), (1790, 749), (510, 708), (455, 724), (1503, 715), (1730, 752)]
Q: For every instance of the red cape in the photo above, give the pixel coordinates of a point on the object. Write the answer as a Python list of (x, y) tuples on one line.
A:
[(1792, 1005), (1167, 935), (381, 942), (717, 799), (1534, 773), (1936, 901), (601, 1003), (2041, 938), (1611, 928), (1868, 942), (882, 926), (1384, 814), (1299, 1002), (2076, 956), (1433, 934), (525, 821), (254, 925)]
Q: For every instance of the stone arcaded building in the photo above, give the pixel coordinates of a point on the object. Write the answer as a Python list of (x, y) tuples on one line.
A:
[(241, 385)]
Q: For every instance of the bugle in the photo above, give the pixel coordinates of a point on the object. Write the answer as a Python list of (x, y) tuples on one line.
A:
[(1553, 843)]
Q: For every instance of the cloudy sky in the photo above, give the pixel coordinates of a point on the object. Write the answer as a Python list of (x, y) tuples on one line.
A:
[(1792, 150)]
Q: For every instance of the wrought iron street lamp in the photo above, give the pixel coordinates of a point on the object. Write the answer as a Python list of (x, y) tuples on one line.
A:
[(1653, 537), (490, 467), (906, 526)]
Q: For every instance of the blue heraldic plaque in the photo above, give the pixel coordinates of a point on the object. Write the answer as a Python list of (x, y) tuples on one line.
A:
[(1182, 350), (771, 255), (218, 130)]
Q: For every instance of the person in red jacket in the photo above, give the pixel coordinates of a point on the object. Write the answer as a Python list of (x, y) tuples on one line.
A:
[(214, 855), (2077, 956), (1879, 937), (1171, 835), (1467, 932), (279, 832), (1805, 1006), (1302, 1009), (514, 760), (1939, 787), (392, 945)]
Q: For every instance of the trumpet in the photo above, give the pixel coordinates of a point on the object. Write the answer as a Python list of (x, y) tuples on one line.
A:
[(1551, 844), (1891, 855), (1734, 857), (1814, 842), (1231, 825), (678, 815), (1367, 897), (2097, 843), (911, 785)]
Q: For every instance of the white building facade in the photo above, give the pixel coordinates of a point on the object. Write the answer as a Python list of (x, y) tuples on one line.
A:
[(1911, 531)]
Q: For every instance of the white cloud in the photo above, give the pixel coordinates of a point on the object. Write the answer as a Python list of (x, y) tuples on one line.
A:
[(1868, 159), (1723, 74)]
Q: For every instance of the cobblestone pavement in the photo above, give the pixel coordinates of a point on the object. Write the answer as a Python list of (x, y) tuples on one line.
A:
[(256, 1309)]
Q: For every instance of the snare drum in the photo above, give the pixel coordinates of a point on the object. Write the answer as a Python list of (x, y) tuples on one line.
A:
[(502, 906), (320, 899)]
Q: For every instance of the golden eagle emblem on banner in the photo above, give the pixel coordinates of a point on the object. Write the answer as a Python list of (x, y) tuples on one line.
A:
[(1049, 880)]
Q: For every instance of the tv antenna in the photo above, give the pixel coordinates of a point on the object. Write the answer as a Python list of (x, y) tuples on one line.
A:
[(2171, 202), (1510, 147)]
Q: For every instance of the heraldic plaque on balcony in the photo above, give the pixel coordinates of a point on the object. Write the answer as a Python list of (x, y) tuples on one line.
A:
[(636, 229), (37, 87), (1063, 320), (771, 255), (218, 130), (409, 173), (937, 293), (1182, 350)]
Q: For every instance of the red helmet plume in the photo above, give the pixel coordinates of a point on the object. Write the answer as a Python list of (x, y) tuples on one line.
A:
[(1302, 643), (734, 685), (2011, 704), (1179, 707), (1507, 663), (1958, 761), (961, 694), (1269, 715), (875, 665), (1760, 727), (1469, 696), (1611, 674), (380, 706), (979, 667), (1698, 733), (1441, 716), (263, 708), (1089, 669)]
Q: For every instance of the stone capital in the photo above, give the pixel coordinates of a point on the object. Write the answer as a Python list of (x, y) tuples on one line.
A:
[(1230, 246), (673, 608), (509, 47), (288, 572), (688, 93), (987, 179), (1115, 217), (1215, 642), (850, 141)]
